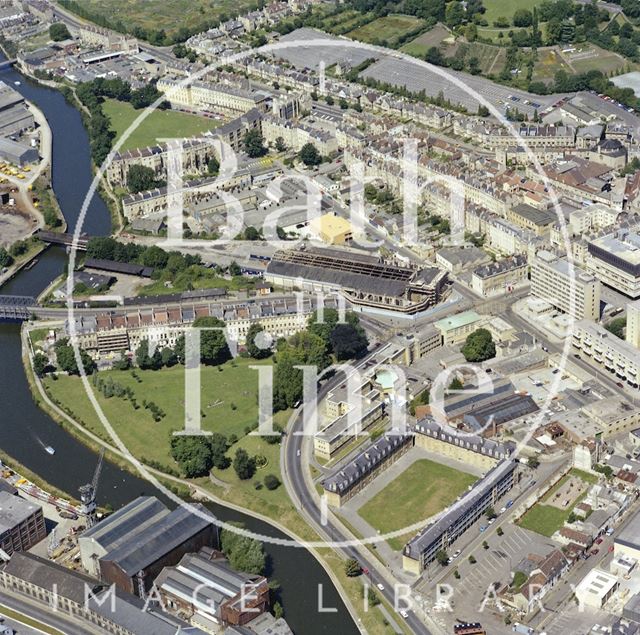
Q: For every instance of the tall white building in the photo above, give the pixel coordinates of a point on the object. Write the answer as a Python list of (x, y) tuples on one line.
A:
[(633, 323), (552, 280)]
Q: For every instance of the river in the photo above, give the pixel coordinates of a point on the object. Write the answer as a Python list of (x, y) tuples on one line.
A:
[(25, 429)]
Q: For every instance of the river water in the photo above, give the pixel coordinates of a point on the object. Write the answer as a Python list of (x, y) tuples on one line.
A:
[(25, 429)]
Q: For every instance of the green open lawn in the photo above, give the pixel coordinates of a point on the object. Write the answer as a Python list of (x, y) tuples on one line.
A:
[(194, 278), (506, 8), (421, 491), (159, 124), (546, 519), (229, 404), (388, 29)]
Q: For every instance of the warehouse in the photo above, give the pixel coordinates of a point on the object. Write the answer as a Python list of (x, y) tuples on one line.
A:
[(15, 117), (22, 523), (17, 153)]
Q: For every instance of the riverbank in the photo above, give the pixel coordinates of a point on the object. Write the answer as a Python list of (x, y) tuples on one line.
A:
[(284, 517)]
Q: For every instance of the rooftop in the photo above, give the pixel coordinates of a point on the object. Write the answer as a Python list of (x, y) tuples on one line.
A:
[(457, 321), (14, 510)]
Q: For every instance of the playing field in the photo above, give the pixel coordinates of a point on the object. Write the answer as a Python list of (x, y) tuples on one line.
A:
[(422, 490), (228, 402), (158, 125), (387, 29)]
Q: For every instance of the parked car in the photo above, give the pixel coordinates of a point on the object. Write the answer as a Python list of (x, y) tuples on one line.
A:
[(599, 541), (483, 528), (595, 552), (456, 554), (380, 586)]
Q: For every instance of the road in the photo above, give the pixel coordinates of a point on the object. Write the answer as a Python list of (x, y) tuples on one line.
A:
[(37, 612), (294, 475)]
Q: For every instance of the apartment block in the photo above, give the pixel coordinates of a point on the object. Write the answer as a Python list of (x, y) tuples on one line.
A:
[(604, 349), (573, 291), (615, 260)]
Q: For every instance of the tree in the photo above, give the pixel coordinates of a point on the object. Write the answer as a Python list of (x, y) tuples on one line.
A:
[(456, 384), (5, 258), (271, 482), (40, 363), (472, 559), (500, 531), (533, 462), (213, 344), (124, 363), (66, 358), (257, 349), (479, 346), (244, 553), (442, 557), (193, 454), (251, 233), (244, 465), (485, 544), (254, 144), (168, 357), (140, 178), (522, 18), (281, 146), (454, 14), (278, 611), (348, 341), (219, 446), (352, 568), (490, 513), (213, 166), (58, 31), (143, 359), (18, 248), (309, 155)]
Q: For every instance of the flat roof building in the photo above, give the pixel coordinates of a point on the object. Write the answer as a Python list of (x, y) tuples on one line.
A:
[(455, 329), (615, 260), (571, 290), (332, 229), (627, 541), (602, 348), (21, 523), (596, 588)]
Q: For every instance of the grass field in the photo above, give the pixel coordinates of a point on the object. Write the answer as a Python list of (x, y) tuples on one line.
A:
[(546, 519), (194, 279), (229, 404), (433, 37), (387, 29), (159, 124), (421, 491), (506, 8)]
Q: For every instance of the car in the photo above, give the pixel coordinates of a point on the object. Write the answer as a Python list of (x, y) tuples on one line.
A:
[(456, 554), (595, 552), (545, 349), (599, 541), (483, 528), (449, 560), (509, 503), (298, 453), (619, 384), (576, 355), (404, 614), (491, 521), (610, 531), (380, 586), (503, 510), (555, 371)]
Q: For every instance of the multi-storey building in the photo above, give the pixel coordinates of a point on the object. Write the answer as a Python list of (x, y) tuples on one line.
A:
[(467, 448), (205, 96), (536, 220), (21, 523), (503, 276), (421, 550), (194, 155), (571, 290), (633, 324), (454, 329), (345, 482), (615, 260), (608, 351)]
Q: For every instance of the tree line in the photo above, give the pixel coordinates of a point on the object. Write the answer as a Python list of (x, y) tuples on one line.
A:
[(91, 95)]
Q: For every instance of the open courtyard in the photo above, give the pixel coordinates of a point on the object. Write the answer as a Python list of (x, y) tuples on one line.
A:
[(424, 489)]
